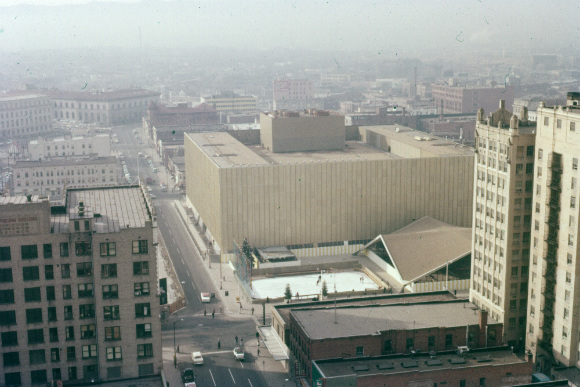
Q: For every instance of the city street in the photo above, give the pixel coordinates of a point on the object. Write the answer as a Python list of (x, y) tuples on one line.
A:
[(190, 328)]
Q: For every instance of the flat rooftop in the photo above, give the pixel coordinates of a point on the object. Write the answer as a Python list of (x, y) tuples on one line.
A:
[(5, 200), (396, 364), (421, 140), (367, 320), (66, 162), (18, 96), (114, 208)]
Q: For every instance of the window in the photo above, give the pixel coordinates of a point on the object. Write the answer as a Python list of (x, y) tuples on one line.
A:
[(69, 333), (572, 202), (5, 253), (140, 247), (7, 317), (12, 379), (32, 294), (51, 313), (112, 333), (47, 250), (71, 353), (88, 331), (48, 272), (84, 269), (448, 340), (86, 311), (29, 251), (11, 359), (146, 350), (546, 121), (530, 151), (82, 249), (513, 304), (410, 343), (53, 335), (33, 315), (140, 268), (72, 373), (110, 291), (388, 343), (37, 356), (64, 249), (7, 296), (572, 126), (114, 353), (109, 270), (144, 330), (85, 290), (575, 164), (111, 312), (89, 351), (56, 374), (5, 275), (568, 277), (55, 355), (108, 249), (559, 123), (141, 289), (66, 292), (142, 310), (519, 169), (30, 273), (77, 225), (9, 338), (360, 351)]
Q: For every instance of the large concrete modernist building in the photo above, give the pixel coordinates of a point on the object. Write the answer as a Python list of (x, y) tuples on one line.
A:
[(78, 288), (504, 174), (341, 198), (554, 296)]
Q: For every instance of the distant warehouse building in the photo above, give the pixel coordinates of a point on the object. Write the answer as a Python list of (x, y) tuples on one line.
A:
[(103, 107), (341, 197), (25, 115)]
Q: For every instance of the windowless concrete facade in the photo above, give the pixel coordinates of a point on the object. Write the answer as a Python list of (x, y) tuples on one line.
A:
[(311, 198)]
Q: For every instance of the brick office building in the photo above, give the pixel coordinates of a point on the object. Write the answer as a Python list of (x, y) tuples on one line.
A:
[(78, 286), (374, 330)]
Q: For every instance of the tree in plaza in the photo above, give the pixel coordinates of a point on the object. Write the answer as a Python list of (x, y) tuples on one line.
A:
[(288, 292), (324, 289), (246, 249)]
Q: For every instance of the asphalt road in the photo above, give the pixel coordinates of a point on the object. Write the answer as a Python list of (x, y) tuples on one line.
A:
[(189, 327)]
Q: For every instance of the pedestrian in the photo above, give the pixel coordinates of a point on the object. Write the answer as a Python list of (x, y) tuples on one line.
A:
[(252, 310), (242, 341), (219, 344), (205, 312), (258, 351), (236, 339), (212, 315)]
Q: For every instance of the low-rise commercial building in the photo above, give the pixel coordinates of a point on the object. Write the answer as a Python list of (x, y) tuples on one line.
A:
[(78, 287), (232, 103), (52, 177), (41, 149)]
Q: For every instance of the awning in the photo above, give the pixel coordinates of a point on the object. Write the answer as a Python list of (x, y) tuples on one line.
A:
[(277, 348)]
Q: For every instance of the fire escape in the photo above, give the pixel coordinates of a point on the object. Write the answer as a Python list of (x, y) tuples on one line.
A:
[(551, 254)]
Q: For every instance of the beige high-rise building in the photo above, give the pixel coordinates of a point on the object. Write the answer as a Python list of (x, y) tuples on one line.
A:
[(554, 307), (502, 217), (78, 288)]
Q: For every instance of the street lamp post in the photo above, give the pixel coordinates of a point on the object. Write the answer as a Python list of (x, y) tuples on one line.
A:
[(174, 347)]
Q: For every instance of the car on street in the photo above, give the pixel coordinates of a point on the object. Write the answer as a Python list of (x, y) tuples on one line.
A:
[(197, 358), (163, 187), (239, 353), (188, 375), (152, 196), (205, 297)]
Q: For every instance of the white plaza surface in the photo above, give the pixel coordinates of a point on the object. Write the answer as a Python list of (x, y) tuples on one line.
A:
[(310, 285)]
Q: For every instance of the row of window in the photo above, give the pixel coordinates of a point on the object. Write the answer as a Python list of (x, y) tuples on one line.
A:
[(34, 315), (38, 356), (84, 269), (107, 249), (36, 336)]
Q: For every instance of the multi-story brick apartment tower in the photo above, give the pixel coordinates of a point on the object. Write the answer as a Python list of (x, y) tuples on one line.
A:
[(502, 218), (78, 288), (554, 306)]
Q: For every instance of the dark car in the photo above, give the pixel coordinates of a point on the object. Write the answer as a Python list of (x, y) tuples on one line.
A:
[(188, 375)]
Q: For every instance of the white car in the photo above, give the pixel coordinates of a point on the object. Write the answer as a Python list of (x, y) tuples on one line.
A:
[(239, 353), (197, 358), (205, 297)]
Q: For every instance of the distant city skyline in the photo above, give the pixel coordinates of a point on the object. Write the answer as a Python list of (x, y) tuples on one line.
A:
[(389, 28)]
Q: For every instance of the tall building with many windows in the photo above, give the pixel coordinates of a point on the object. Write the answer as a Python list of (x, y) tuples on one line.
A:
[(78, 288), (502, 218), (554, 308)]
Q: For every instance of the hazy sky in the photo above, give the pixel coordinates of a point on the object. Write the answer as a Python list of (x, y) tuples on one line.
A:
[(384, 26)]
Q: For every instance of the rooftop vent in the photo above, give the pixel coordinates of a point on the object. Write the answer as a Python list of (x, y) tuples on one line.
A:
[(385, 366), (410, 364), (360, 368)]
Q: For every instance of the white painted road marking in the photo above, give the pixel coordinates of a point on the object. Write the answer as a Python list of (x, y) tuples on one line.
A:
[(249, 381), (232, 375), (213, 380)]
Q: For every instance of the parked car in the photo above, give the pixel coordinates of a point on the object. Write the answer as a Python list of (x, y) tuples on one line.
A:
[(239, 353), (188, 375), (205, 297), (197, 358)]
